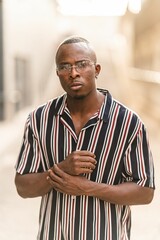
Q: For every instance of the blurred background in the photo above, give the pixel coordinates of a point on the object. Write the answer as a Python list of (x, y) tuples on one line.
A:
[(125, 35)]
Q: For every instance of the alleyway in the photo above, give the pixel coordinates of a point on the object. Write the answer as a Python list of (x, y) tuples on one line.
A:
[(19, 217)]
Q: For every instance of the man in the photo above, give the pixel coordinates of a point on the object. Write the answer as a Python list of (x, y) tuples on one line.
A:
[(86, 154)]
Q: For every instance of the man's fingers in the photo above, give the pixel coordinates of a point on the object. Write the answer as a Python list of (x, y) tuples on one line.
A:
[(88, 165), (55, 176), (85, 153), (86, 159), (85, 164), (56, 171)]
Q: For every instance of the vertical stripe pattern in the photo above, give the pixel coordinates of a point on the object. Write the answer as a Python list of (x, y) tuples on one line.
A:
[(118, 138)]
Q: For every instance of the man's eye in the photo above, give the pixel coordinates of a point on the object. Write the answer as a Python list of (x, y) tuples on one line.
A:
[(63, 67), (82, 64)]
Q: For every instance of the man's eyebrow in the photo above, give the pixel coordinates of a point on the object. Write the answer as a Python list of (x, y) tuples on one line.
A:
[(62, 63), (82, 60)]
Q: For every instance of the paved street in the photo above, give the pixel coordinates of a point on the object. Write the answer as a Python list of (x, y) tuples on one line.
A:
[(19, 217)]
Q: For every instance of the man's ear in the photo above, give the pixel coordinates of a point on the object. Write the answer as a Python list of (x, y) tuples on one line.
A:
[(57, 73), (97, 70)]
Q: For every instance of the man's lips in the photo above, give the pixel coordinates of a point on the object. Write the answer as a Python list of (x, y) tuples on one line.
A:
[(76, 85)]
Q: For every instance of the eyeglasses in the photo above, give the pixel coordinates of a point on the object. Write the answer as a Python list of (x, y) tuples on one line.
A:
[(80, 67)]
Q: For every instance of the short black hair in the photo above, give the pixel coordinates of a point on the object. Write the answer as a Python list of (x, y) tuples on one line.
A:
[(75, 39)]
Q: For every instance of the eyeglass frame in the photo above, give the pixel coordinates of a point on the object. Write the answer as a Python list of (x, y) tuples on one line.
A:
[(70, 66)]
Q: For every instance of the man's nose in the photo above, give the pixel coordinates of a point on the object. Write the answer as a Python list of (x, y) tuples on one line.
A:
[(73, 71)]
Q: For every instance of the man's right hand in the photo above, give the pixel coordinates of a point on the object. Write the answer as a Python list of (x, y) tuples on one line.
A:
[(78, 162)]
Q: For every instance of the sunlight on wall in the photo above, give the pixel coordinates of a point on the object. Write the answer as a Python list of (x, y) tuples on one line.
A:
[(98, 7), (134, 6)]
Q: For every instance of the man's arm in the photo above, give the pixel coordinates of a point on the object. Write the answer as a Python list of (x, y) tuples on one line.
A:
[(128, 193), (35, 184), (32, 184), (124, 194)]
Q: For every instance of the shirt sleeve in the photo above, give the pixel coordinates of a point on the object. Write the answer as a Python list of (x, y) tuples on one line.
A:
[(29, 157), (138, 161)]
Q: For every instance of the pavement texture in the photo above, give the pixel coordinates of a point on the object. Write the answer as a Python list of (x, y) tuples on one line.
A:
[(19, 217)]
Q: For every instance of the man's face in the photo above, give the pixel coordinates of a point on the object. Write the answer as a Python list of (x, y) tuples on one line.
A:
[(76, 69)]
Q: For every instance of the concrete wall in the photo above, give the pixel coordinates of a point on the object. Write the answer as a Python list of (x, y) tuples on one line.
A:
[(1, 65), (30, 37), (146, 80), (32, 31)]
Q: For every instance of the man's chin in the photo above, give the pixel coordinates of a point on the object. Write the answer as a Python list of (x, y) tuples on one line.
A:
[(77, 96)]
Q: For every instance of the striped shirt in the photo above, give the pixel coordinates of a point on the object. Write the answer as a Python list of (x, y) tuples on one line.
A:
[(118, 138)]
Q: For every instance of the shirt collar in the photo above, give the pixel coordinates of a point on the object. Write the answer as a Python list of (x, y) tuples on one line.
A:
[(60, 104), (103, 112), (105, 108)]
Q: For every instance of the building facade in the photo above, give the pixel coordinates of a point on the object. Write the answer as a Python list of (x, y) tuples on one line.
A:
[(146, 60), (27, 46)]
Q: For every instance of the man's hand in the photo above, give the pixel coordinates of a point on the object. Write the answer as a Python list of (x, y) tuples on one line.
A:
[(66, 183), (78, 162), (128, 193)]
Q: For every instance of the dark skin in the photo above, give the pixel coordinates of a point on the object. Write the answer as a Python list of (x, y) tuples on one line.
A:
[(83, 100)]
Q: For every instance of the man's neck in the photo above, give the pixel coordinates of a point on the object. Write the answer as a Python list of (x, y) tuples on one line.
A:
[(87, 105), (83, 109)]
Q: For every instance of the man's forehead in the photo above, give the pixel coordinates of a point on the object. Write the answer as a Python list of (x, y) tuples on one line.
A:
[(77, 45), (78, 49)]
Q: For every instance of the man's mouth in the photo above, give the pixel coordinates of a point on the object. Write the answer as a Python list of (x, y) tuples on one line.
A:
[(76, 86)]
